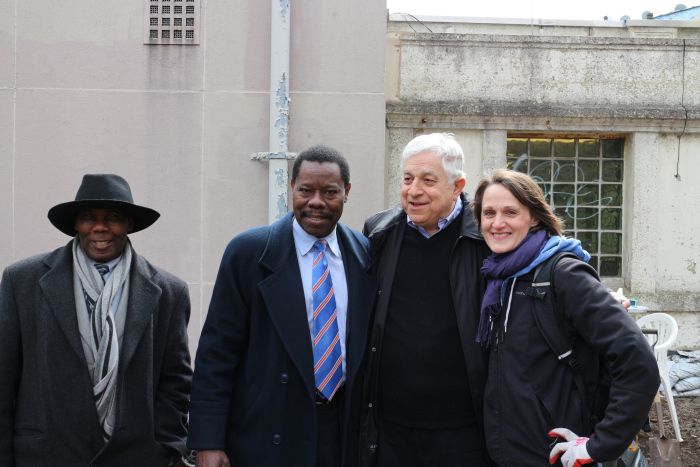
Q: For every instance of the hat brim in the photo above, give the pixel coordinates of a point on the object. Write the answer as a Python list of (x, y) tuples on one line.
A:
[(62, 216)]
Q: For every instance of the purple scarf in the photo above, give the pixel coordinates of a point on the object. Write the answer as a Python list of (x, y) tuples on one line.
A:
[(496, 269)]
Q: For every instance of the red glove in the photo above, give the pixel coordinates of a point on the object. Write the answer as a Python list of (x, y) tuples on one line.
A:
[(573, 452)]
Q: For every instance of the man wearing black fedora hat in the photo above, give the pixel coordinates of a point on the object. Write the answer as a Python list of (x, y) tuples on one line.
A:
[(94, 362)]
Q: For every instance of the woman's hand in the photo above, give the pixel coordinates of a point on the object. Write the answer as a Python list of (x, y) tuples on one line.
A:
[(573, 452)]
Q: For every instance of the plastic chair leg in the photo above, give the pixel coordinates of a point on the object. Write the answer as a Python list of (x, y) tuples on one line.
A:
[(671, 406)]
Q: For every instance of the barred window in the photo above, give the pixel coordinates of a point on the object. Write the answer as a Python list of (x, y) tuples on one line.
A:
[(582, 179), (162, 15)]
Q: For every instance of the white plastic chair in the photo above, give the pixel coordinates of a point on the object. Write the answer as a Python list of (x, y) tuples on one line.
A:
[(667, 329)]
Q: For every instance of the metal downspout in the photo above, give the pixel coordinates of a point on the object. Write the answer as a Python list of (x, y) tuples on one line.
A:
[(278, 154), (279, 109)]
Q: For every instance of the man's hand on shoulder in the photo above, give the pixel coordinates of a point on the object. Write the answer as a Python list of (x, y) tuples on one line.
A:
[(212, 459)]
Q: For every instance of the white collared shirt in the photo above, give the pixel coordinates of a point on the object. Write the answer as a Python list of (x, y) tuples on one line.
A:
[(442, 222), (303, 242)]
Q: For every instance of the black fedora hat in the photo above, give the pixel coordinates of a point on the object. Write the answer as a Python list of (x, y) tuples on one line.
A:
[(101, 191)]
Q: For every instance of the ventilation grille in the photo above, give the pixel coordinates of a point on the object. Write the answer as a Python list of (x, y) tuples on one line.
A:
[(168, 24)]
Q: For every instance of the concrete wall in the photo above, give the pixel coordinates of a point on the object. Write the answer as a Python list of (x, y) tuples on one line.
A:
[(80, 92), (483, 80)]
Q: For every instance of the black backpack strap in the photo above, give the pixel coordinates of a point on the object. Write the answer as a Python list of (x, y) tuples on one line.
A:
[(550, 321), (548, 317)]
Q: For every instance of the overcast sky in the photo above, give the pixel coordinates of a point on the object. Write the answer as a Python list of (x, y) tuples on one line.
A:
[(537, 9)]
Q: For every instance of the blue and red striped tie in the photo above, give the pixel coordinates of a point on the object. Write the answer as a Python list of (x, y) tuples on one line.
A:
[(328, 365)]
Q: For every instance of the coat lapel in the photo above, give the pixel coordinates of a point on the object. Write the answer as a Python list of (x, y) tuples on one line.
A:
[(144, 296), (283, 294), (57, 287), (360, 297)]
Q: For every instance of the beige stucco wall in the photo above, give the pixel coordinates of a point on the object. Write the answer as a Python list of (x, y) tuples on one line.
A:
[(80, 92), (482, 80)]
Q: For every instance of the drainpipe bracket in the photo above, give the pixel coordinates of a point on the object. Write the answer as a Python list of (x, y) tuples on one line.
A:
[(268, 156)]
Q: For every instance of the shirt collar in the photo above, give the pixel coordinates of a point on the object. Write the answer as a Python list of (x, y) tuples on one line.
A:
[(304, 241), (442, 222)]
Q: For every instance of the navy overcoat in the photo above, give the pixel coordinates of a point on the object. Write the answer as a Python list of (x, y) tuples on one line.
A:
[(253, 388)]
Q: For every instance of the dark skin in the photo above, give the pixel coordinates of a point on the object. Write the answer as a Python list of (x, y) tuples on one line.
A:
[(318, 196), (103, 233)]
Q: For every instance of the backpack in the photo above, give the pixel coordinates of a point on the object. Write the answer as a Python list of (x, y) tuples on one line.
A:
[(552, 325), (557, 333)]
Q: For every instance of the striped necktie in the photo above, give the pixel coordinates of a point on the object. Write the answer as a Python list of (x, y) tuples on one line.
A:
[(328, 365), (103, 269)]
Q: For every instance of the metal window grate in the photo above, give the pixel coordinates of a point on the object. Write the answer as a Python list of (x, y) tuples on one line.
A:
[(160, 18), (582, 179)]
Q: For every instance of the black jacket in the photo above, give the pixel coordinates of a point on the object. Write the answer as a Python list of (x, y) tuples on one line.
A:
[(47, 409), (529, 391), (385, 231)]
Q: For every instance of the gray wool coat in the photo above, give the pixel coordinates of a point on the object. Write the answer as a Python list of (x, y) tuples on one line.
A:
[(47, 412)]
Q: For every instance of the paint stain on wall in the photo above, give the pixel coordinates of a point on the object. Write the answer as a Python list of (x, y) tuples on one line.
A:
[(282, 104)]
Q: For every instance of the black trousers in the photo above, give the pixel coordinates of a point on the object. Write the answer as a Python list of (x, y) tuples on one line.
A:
[(401, 446), (329, 417)]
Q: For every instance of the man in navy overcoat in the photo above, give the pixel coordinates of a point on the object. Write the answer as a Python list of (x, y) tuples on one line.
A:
[(257, 396)]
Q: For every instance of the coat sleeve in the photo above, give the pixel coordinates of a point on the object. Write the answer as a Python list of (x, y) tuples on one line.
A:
[(607, 327), (10, 367), (221, 349), (172, 396)]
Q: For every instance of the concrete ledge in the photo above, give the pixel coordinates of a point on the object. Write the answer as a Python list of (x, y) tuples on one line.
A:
[(547, 42), (540, 117)]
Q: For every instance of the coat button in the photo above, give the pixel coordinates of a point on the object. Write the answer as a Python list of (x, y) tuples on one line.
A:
[(369, 405), (276, 439), (379, 292), (284, 378), (374, 349)]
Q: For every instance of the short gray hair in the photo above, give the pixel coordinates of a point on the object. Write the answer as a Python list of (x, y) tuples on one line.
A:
[(440, 144)]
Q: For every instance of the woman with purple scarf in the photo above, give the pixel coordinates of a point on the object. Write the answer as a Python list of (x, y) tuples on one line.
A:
[(532, 408)]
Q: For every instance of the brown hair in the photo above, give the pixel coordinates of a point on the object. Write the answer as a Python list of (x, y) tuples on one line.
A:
[(527, 192)]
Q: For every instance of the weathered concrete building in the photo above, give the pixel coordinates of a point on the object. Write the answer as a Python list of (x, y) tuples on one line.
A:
[(606, 115), (176, 95)]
